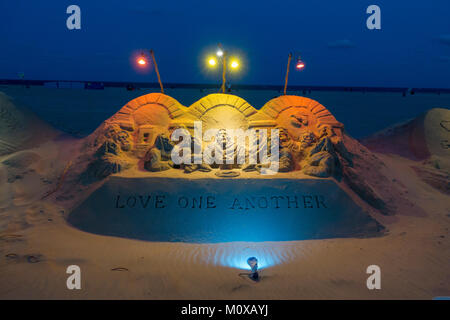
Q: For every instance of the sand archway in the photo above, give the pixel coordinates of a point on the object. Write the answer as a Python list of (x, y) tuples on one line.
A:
[(150, 109), (147, 116), (298, 114), (222, 111)]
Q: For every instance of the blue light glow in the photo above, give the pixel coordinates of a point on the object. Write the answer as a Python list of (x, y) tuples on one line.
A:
[(235, 256)]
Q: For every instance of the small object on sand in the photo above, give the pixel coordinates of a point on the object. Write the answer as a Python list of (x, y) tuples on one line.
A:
[(254, 276), (33, 259), (253, 263)]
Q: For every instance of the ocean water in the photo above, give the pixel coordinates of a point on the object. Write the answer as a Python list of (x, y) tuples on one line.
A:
[(79, 112)]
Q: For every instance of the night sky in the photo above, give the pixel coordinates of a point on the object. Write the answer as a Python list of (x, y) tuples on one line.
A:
[(411, 50)]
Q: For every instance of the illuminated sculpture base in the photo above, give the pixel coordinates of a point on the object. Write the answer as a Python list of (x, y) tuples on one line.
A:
[(213, 210)]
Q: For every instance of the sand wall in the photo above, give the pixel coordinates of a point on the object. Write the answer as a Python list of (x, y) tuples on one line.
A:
[(207, 210)]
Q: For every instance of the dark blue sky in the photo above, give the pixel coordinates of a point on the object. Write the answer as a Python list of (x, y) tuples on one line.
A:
[(412, 49)]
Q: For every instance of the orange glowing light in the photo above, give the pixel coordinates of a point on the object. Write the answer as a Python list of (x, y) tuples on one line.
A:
[(300, 65), (141, 61)]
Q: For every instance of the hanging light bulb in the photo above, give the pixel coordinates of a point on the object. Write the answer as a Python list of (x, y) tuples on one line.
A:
[(234, 64), (300, 65), (141, 60), (212, 62)]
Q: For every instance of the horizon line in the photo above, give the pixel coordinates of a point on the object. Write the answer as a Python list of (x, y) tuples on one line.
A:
[(174, 85)]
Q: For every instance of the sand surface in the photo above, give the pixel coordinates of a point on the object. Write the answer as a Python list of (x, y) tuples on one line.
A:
[(20, 128)]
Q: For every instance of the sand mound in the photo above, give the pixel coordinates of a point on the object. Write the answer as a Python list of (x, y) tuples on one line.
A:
[(20, 180), (417, 139), (425, 139), (21, 160), (25, 178), (20, 128)]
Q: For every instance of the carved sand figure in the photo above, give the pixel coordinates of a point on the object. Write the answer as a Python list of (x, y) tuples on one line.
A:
[(311, 133), (307, 139), (196, 144), (326, 158), (223, 153), (109, 157), (322, 160), (300, 114), (158, 158), (287, 149), (258, 144)]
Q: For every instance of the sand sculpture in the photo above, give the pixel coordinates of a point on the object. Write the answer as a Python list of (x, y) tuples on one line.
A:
[(318, 166), (310, 136), (127, 183)]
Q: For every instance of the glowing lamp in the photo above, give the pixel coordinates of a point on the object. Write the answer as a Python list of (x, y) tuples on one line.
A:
[(234, 64), (141, 61), (219, 53), (212, 62), (300, 65)]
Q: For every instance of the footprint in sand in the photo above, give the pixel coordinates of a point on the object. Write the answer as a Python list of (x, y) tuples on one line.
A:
[(240, 287), (30, 258), (119, 269), (11, 238), (12, 256), (34, 258)]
